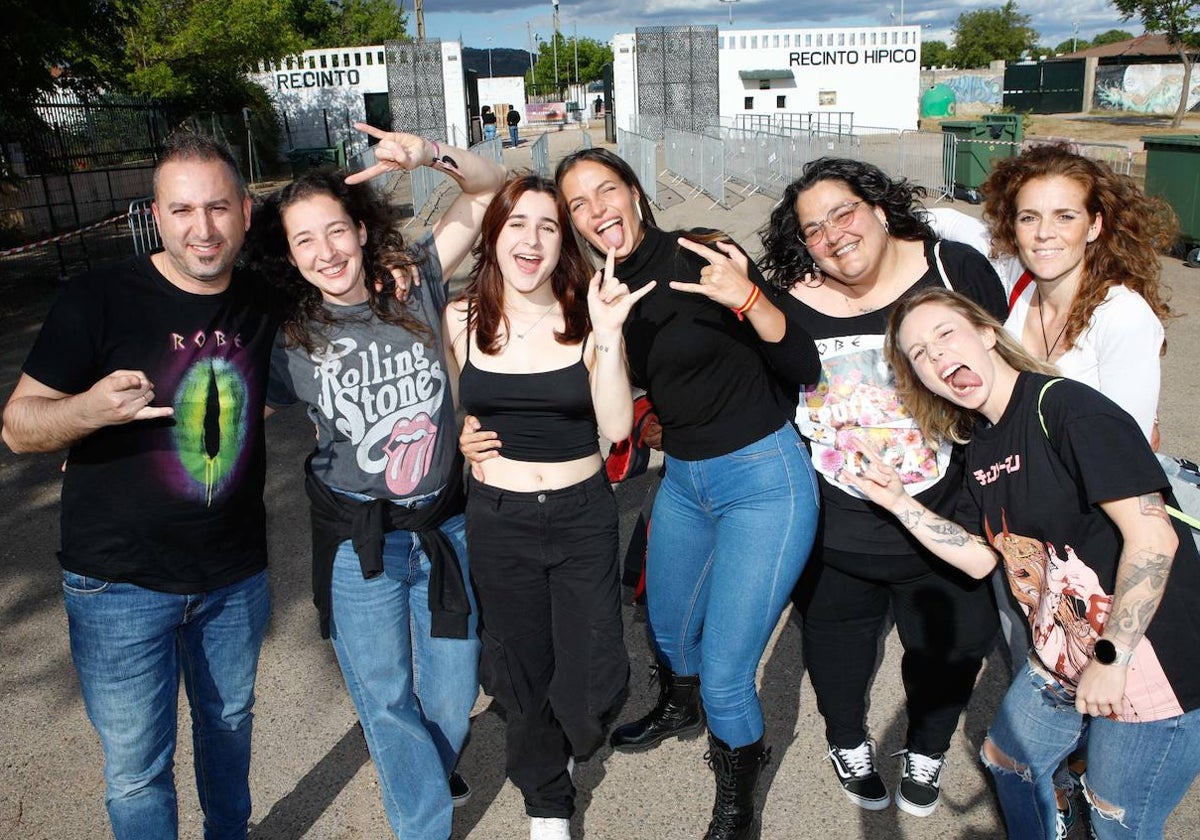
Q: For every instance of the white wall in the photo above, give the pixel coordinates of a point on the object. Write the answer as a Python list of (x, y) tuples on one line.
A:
[(330, 83), (503, 90), (624, 80), (873, 72)]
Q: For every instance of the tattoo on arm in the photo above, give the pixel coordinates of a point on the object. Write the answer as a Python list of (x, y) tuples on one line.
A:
[(910, 519), (949, 533), (1152, 504), (1141, 581)]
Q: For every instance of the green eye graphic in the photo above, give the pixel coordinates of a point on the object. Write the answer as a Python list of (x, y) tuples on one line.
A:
[(210, 422)]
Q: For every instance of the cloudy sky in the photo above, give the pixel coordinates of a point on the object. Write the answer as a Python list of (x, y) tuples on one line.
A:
[(505, 20)]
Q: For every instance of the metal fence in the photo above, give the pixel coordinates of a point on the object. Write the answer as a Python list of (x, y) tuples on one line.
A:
[(143, 227), (641, 153), (540, 151), (696, 159)]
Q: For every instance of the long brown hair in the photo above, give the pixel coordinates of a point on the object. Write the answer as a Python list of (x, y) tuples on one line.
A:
[(485, 290), (1136, 228), (939, 418), (309, 319)]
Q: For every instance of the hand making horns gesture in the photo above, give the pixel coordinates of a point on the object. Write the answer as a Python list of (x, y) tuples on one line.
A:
[(609, 300), (726, 278), (395, 150)]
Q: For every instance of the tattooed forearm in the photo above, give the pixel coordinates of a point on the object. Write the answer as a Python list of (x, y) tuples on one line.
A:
[(1141, 581), (910, 519), (948, 533), (1151, 504)]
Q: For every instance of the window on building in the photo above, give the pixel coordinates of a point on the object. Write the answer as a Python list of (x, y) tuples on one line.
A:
[(820, 40), (345, 59), (764, 84), (874, 36), (841, 39), (787, 40), (904, 37), (748, 103), (333, 60), (358, 59), (753, 42), (323, 65), (852, 39), (370, 59), (721, 43), (780, 101), (379, 57), (895, 35), (775, 41), (808, 40)]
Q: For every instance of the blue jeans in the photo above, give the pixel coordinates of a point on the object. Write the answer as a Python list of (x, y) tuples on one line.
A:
[(1139, 772), (130, 645), (728, 538), (489, 132), (413, 692), (512, 135)]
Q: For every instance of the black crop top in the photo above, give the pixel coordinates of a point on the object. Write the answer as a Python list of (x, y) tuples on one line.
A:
[(546, 416)]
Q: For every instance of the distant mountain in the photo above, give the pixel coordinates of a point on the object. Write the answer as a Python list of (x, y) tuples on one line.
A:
[(505, 61)]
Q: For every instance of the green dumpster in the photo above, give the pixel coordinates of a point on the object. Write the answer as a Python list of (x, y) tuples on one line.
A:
[(1173, 172), (979, 142), (302, 160)]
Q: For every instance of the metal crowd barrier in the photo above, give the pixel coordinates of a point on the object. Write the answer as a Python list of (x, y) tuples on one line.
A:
[(492, 150), (641, 153), (541, 155), (425, 181), (698, 160), (142, 226), (927, 158)]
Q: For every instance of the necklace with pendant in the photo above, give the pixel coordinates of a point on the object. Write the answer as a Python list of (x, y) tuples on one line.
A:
[(529, 329), (1049, 348)]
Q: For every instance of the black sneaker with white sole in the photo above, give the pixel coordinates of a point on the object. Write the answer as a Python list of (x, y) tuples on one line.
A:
[(856, 772), (920, 780), (460, 791)]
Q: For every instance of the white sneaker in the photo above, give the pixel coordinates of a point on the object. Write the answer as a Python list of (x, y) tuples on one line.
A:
[(549, 828)]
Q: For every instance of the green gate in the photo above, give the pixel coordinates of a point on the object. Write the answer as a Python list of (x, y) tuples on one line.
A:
[(1045, 87)]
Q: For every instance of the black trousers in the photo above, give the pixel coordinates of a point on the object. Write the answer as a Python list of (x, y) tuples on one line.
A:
[(946, 622), (544, 567)]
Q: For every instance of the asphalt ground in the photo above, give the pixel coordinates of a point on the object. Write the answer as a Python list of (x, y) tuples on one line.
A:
[(311, 776)]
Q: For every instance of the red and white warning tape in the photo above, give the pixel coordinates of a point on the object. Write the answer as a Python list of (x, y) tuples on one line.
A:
[(20, 249)]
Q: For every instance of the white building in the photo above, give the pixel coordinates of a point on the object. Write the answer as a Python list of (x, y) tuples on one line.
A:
[(320, 92), (871, 72)]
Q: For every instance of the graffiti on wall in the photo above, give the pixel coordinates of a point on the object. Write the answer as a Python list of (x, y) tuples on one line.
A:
[(1144, 88), (974, 89)]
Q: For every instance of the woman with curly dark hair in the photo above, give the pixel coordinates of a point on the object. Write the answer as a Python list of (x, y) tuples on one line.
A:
[(385, 480), (1091, 239), (850, 243)]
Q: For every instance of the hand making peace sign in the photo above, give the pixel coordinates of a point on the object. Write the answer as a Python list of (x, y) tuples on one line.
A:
[(610, 300)]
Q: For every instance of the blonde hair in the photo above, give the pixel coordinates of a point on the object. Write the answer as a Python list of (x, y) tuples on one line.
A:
[(939, 418)]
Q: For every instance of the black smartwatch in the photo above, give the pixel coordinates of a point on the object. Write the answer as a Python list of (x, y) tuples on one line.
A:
[(1107, 653)]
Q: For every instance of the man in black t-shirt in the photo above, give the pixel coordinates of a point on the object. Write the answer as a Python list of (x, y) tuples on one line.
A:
[(153, 373)]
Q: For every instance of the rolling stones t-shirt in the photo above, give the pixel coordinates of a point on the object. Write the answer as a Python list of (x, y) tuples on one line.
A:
[(378, 395), (1035, 496)]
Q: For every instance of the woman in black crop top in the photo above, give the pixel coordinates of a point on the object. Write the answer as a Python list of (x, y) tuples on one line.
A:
[(541, 365), (722, 360)]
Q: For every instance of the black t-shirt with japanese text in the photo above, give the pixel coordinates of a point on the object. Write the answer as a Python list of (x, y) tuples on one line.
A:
[(173, 504), (1035, 494)]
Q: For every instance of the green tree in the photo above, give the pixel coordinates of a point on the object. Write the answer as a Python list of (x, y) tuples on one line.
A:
[(361, 23), (1179, 21), (934, 54), (1073, 45), (197, 50), (77, 41), (593, 55), (1112, 36), (990, 34)]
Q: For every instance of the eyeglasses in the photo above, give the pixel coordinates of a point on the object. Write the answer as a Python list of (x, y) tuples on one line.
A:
[(839, 217)]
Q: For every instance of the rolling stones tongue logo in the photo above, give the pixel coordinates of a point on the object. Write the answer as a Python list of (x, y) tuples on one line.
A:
[(409, 453)]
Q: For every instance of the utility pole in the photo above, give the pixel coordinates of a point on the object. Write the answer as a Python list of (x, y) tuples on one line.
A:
[(554, 44), (489, 39), (529, 39), (419, 11), (575, 38)]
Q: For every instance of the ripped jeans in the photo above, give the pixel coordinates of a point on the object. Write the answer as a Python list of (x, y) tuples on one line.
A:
[(1137, 772)]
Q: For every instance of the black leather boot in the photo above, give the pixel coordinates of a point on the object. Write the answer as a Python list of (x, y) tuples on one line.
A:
[(677, 714), (737, 773)]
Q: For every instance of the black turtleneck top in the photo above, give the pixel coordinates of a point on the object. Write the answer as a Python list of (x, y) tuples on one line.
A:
[(716, 385)]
